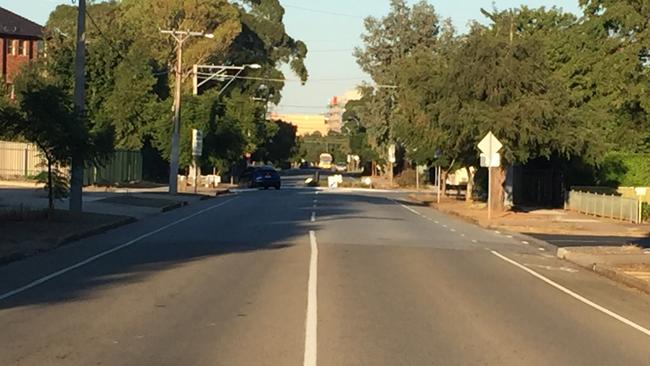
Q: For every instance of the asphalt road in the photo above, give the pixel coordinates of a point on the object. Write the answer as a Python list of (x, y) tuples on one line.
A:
[(292, 277)]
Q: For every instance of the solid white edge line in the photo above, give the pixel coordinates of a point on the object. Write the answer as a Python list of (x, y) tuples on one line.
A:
[(311, 321), (105, 253), (575, 295)]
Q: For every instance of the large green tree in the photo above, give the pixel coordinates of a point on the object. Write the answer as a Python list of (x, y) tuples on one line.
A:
[(130, 68), (403, 32)]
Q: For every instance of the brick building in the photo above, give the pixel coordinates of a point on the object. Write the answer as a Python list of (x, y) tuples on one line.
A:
[(21, 41)]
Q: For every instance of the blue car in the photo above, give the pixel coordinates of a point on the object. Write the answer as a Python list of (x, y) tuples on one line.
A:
[(260, 177)]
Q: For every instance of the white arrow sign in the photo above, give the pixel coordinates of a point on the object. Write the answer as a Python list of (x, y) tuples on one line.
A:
[(490, 144)]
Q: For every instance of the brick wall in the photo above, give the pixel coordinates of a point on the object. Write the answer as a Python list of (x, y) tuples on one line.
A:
[(16, 59)]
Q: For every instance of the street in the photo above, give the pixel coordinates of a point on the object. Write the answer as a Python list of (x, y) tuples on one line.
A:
[(310, 277)]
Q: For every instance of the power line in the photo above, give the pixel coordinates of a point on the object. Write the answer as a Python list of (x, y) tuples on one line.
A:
[(327, 12), (333, 50)]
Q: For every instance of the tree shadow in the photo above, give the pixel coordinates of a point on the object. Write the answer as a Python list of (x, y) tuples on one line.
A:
[(257, 221)]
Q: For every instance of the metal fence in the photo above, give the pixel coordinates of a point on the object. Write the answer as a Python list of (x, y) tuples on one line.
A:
[(19, 159), (610, 206), (124, 166)]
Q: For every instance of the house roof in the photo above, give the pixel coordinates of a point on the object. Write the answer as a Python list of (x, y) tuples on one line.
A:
[(12, 24)]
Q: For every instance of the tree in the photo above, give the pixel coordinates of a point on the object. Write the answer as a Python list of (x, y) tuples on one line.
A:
[(354, 128), (387, 41), (45, 116), (130, 67), (280, 147)]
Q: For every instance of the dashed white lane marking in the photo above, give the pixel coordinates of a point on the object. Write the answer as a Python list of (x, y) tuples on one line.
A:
[(541, 249), (107, 252), (453, 230), (575, 295), (311, 322), (463, 235), (313, 217), (445, 226), (509, 236), (525, 243), (437, 222), (551, 268), (497, 232), (474, 241)]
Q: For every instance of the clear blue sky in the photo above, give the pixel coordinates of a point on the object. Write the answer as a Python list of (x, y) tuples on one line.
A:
[(330, 37)]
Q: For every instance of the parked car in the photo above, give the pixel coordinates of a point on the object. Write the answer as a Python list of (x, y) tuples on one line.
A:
[(260, 177)]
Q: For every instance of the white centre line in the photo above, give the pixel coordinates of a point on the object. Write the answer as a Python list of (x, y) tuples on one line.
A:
[(311, 322), (313, 217), (575, 295), (107, 252)]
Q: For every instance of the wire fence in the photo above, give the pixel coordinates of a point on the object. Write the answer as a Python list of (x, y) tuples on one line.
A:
[(608, 206)]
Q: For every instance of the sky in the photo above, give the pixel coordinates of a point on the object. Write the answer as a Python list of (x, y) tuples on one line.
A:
[(331, 29)]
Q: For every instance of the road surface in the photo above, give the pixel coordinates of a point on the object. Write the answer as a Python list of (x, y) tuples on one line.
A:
[(300, 277)]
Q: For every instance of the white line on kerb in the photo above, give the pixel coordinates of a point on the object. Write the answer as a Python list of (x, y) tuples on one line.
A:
[(311, 323), (575, 295), (105, 253), (313, 217)]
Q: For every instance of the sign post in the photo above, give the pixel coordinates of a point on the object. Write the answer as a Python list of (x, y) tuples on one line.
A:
[(391, 160), (197, 151), (490, 158)]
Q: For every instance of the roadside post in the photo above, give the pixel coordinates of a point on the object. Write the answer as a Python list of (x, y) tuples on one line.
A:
[(438, 171), (392, 160), (197, 151), (490, 158), (417, 177)]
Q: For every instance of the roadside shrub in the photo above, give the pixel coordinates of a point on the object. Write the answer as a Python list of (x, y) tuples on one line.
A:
[(627, 170), (407, 178)]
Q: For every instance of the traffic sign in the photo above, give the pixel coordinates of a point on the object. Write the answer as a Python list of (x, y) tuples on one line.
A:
[(490, 144), (491, 162), (490, 158)]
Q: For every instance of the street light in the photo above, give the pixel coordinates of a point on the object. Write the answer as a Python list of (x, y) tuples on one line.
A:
[(211, 72), (180, 37)]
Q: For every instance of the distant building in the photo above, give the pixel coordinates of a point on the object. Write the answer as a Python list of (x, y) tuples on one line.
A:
[(306, 123), (21, 41), (336, 109)]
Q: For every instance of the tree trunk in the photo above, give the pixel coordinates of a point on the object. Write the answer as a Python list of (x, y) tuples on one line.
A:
[(497, 192), (470, 184), (50, 191), (443, 182)]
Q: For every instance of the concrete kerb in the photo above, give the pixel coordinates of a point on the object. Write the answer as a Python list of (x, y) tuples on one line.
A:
[(621, 277), (591, 261), (95, 231)]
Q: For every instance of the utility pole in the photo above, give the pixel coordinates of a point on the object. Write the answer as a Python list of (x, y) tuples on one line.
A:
[(180, 37), (77, 169)]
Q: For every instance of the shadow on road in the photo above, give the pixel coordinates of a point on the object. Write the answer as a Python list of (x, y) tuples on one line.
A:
[(257, 221)]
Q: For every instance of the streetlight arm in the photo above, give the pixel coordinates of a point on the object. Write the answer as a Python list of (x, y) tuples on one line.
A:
[(231, 81)]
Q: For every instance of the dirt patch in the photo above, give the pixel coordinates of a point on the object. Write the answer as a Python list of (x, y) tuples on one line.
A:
[(139, 201), (24, 238), (636, 267)]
